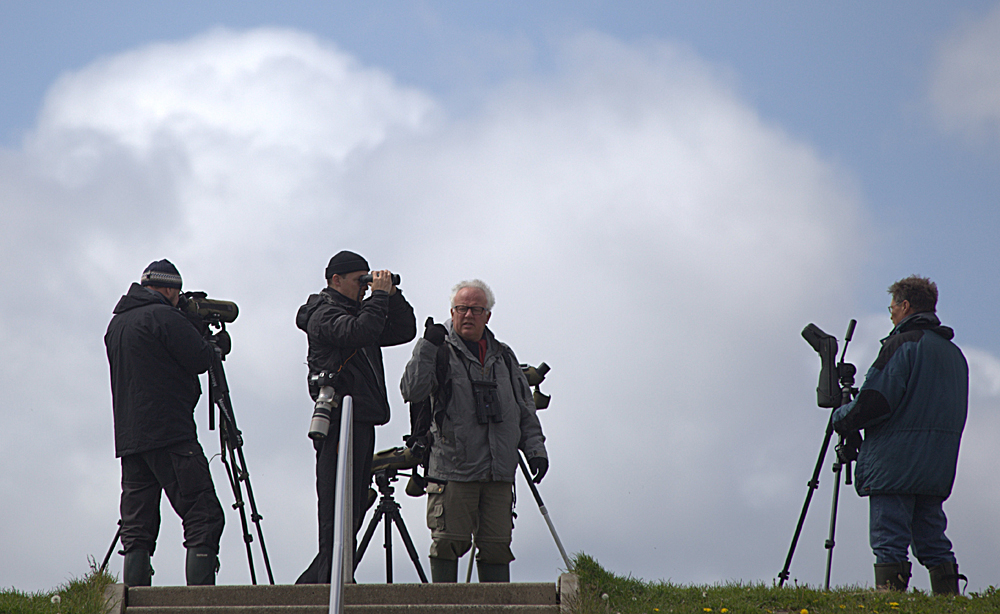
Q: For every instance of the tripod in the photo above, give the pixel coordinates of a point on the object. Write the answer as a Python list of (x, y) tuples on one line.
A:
[(231, 444), (846, 372), (388, 510)]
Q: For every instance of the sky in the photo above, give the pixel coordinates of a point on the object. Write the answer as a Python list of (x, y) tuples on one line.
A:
[(661, 195)]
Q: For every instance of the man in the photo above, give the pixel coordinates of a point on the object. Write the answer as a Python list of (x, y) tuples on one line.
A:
[(912, 407), (346, 335), (483, 414), (156, 353)]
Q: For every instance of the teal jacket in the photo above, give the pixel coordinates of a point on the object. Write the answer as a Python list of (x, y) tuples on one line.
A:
[(912, 407)]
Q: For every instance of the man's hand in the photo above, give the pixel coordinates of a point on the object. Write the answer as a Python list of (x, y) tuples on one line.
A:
[(435, 333), (538, 465), (420, 445), (223, 341), (382, 280)]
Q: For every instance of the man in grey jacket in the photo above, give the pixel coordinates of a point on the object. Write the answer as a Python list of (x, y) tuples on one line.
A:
[(483, 414)]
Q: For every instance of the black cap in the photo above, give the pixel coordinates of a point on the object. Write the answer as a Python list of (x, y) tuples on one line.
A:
[(346, 262), (162, 274)]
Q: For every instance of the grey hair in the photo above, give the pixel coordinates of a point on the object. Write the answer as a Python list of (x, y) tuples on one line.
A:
[(475, 283)]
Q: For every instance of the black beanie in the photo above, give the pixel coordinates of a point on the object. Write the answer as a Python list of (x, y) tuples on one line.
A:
[(346, 262), (161, 273)]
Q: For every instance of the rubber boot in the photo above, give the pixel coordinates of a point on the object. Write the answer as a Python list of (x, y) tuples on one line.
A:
[(202, 563), (493, 572), (944, 578), (443, 570), (137, 570), (892, 576)]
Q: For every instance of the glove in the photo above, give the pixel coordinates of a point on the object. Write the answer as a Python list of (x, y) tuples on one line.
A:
[(538, 465), (434, 333), (420, 445), (223, 341), (847, 449)]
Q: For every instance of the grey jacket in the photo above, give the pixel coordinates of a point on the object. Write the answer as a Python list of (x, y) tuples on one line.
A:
[(465, 450)]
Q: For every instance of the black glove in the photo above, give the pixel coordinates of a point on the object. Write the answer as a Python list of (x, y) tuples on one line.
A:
[(847, 449), (420, 445), (223, 341), (538, 465), (435, 333)]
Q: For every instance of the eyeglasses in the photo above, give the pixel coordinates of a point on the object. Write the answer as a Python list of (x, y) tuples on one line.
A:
[(894, 305), (464, 309)]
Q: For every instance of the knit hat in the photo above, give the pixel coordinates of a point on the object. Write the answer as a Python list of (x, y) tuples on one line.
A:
[(346, 262), (161, 273)]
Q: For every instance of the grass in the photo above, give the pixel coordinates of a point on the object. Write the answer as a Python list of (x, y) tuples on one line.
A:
[(84, 596), (602, 592)]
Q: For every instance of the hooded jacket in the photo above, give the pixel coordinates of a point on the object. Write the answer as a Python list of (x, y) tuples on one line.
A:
[(348, 333), (155, 353), (913, 407), (463, 449)]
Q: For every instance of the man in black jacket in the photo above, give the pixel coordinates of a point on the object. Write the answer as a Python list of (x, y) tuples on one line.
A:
[(346, 335), (156, 353)]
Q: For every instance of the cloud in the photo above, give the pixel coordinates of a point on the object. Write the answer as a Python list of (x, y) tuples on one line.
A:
[(965, 77), (646, 232)]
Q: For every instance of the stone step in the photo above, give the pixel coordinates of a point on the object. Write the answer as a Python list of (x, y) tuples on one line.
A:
[(500, 598), (352, 609), (354, 594)]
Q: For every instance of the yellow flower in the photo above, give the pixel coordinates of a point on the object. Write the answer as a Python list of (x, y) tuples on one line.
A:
[(893, 603), (707, 609), (803, 611), (724, 610)]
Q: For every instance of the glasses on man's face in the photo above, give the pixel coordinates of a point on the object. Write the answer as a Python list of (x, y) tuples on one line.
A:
[(894, 305), (464, 309)]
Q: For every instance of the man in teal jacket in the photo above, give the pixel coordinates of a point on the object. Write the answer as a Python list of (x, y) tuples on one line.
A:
[(912, 408)]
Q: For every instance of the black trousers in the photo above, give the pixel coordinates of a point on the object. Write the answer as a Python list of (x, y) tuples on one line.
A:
[(326, 477), (181, 471)]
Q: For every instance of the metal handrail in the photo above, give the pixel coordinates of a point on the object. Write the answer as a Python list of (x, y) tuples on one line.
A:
[(342, 565)]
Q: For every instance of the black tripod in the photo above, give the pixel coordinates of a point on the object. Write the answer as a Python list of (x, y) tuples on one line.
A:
[(845, 456), (388, 510), (231, 442), (231, 452)]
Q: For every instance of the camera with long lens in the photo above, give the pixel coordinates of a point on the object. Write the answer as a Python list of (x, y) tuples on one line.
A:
[(213, 311), (327, 400), (368, 278)]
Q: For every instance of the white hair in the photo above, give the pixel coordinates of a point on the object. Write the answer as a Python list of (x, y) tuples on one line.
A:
[(475, 283)]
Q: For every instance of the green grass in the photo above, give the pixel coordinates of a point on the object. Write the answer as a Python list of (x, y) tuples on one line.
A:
[(84, 596), (626, 595)]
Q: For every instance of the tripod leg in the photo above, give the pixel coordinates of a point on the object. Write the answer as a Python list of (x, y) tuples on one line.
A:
[(369, 533), (813, 485), (830, 542), (388, 546), (107, 557), (398, 519), (234, 481), (254, 515)]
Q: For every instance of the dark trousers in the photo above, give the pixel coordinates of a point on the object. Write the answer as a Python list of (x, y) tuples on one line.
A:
[(326, 477), (181, 471)]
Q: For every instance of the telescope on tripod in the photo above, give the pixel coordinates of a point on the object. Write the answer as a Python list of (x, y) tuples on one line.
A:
[(835, 388)]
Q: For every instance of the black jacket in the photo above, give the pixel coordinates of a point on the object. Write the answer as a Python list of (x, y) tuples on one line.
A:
[(341, 329), (156, 354)]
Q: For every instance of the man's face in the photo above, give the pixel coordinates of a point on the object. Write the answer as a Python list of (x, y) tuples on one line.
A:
[(898, 311), (469, 325), (349, 286)]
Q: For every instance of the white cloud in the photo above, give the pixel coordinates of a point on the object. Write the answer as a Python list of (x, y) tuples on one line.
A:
[(965, 79), (646, 232)]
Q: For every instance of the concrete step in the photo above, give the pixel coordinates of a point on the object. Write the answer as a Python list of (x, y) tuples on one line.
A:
[(501, 598)]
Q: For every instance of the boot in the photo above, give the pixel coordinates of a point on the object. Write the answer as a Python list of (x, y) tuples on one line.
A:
[(137, 570), (493, 572), (202, 563), (443, 570), (944, 578), (892, 576)]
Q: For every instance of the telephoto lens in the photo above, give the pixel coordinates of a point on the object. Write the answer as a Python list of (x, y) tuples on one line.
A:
[(326, 402)]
